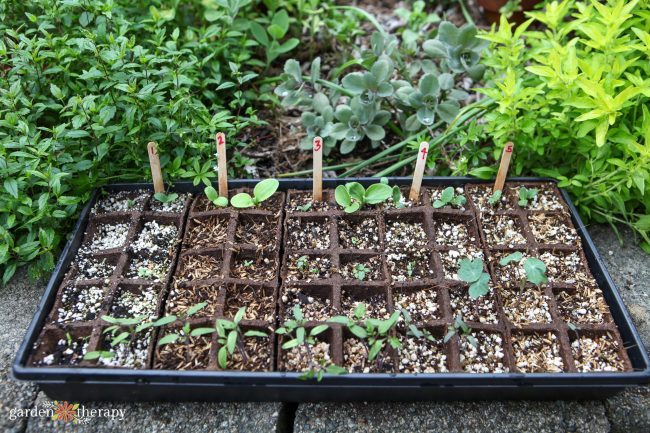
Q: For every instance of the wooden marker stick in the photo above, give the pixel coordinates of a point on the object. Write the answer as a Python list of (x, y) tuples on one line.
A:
[(154, 162), (318, 169), (503, 166), (419, 171), (222, 164)]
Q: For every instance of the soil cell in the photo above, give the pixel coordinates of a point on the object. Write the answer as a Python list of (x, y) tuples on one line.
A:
[(452, 233), (80, 303), (481, 195), (207, 232), (155, 239), (146, 269), (482, 310), (503, 230), (421, 304), (527, 306), (410, 266), (298, 358), (109, 236), (359, 233), (129, 354), (362, 269), (68, 350), (562, 266), (180, 299), (545, 200), (422, 355), (450, 259), (306, 267), (376, 304), (486, 357), (303, 202), (313, 306), (200, 267), (551, 229), (537, 352), (253, 267), (191, 353), (259, 231), (258, 301), (405, 236), (91, 268), (122, 201), (436, 194), (511, 275), (584, 304), (257, 356), (134, 302), (596, 353), (308, 234), (175, 206)]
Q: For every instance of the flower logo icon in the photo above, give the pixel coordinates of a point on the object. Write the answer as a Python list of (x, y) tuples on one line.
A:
[(64, 411)]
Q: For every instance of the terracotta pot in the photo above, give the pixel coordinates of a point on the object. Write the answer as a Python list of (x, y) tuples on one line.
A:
[(491, 9)]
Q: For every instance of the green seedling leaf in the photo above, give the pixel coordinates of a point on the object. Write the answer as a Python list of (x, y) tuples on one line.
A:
[(222, 357), (167, 339), (375, 349), (535, 270), (377, 193), (165, 198), (164, 320), (514, 257), (201, 331), (357, 191), (353, 207), (360, 310), (342, 196), (480, 287), (242, 200), (117, 340), (196, 308), (240, 314), (264, 190), (318, 330), (254, 333), (290, 344), (470, 270), (495, 197), (232, 341), (214, 197), (447, 195)]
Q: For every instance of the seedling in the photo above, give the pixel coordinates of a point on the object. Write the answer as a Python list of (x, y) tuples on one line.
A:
[(353, 196), (302, 263), (526, 194), (130, 203), (449, 197), (471, 271), (306, 207), (144, 272), (214, 197), (413, 330), (396, 195), (535, 268), (295, 334), (231, 336), (410, 267), (165, 198), (248, 263), (355, 240), (374, 333), (495, 197), (359, 271), (172, 337), (262, 191), (460, 327)]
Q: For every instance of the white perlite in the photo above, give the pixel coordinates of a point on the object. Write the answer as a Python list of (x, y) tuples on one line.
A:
[(109, 236), (151, 231), (80, 303)]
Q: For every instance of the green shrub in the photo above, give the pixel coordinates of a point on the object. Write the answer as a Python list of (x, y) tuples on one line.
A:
[(86, 84), (574, 98)]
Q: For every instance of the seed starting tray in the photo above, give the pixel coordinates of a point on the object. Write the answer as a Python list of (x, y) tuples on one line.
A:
[(230, 250)]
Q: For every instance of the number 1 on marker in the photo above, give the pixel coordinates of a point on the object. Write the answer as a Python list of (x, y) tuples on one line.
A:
[(220, 138)]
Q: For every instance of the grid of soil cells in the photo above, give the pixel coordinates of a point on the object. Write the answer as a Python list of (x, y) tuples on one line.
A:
[(143, 258)]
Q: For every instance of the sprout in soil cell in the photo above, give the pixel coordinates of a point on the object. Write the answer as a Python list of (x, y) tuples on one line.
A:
[(414, 330), (375, 334), (495, 197), (262, 191), (535, 268), (360, 271), (460, 327), (353, 196), (171, 338), (471, 271), (448, 196), (526, 194), (306, 207), (214, 197), (295, 334), (410, 267), (165, 198), (396, 195)]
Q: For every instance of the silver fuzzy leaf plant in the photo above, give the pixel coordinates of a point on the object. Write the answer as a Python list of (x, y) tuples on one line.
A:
[(391, 89)]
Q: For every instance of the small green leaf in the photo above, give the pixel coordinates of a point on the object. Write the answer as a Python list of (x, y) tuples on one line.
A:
[(342, 196), (470, 270), (514, 257), (167, 339), (535, 270), (264, 190), (242, 200), (480, 287)]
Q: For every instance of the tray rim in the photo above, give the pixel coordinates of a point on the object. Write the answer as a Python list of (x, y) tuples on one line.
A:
[(125, 376)]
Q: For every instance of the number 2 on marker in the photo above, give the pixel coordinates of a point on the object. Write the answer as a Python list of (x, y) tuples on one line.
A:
[(220, 139)]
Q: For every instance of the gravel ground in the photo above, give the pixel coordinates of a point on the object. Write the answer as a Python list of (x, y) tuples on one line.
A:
[(626, 412)]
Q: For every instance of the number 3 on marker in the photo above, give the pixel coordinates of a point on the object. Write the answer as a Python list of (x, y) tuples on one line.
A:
[(317, 144)]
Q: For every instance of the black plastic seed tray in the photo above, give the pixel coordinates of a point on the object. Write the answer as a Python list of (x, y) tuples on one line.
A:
[(94, 383)]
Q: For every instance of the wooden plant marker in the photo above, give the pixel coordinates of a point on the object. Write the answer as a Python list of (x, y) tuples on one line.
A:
[(318, 169), (154, 162), (419, 171), (222, 164), (503, 166)]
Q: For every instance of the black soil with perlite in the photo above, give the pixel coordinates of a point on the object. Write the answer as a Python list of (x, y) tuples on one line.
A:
[(288, 253)]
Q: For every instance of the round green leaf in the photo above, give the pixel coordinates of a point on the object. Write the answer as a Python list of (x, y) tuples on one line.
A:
[(342, 196), (378, 193), (242, 200), (265, 189)]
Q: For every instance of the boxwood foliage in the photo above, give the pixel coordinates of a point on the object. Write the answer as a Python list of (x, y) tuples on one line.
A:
[(84, 85)]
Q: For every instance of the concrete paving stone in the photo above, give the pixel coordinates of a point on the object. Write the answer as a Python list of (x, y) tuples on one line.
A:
[(167, 417), (452, 417)]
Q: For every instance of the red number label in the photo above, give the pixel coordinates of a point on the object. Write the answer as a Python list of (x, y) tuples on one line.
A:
[(220, 139), (424, 152), (509, 148), (317, 144)]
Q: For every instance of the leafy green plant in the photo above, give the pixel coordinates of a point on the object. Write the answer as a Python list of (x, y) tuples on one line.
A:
[(495, 198), (471, 271), (353, 196), (359, 271), (534, 268), (397, 90), (526, 194), (230, 337), (459, 327), (262, 191), (573, 96), (295, 334), (449, 197), (214, 197), (377, 335), (165, 198), (269, 38), (186, 329)]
